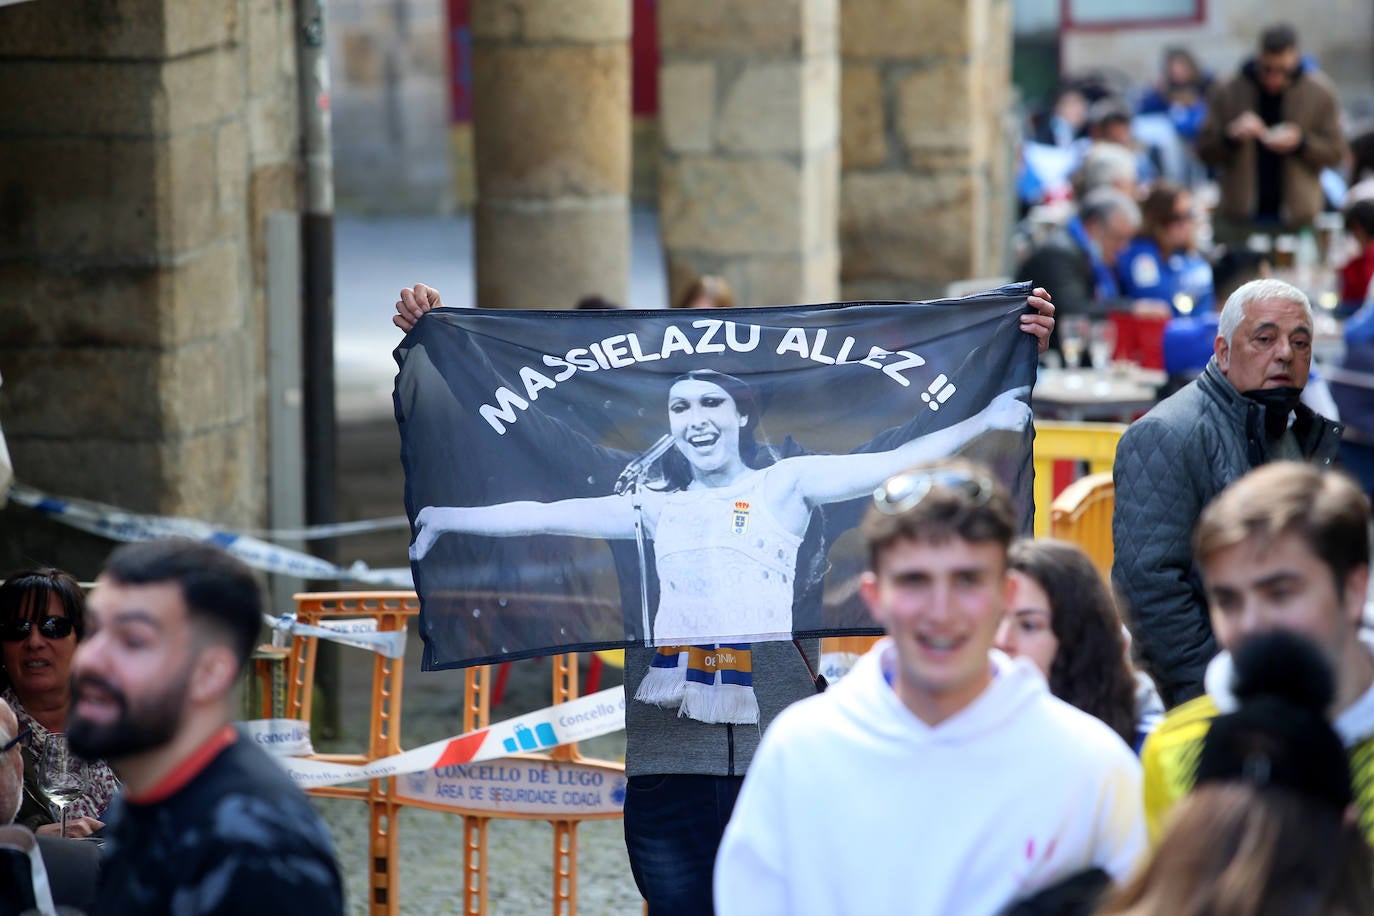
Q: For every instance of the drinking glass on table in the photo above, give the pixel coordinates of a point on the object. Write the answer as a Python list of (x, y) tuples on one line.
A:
[(61, 776), (1101, 345), (1073, 336)]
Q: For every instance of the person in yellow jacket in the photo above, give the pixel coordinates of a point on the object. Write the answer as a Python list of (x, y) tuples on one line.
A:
[(1284, 547)]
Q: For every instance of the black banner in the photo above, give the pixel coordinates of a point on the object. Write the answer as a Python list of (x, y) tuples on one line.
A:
[(595, 479)]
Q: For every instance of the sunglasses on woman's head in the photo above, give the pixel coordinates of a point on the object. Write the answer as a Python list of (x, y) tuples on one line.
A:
[(905, 491), (48, 627)]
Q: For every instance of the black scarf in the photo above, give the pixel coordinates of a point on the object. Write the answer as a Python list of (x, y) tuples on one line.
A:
[(1278, 404)]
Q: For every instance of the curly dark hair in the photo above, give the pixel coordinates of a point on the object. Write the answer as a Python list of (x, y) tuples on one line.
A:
[(1090, 670)]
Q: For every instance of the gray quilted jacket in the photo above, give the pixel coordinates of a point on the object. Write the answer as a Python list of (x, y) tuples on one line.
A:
[(1169, 464)]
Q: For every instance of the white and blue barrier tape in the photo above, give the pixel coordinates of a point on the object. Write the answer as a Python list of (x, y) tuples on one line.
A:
[(361, 633), (118, 525)]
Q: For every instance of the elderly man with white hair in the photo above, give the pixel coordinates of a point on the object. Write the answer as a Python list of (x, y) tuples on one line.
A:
[(1243, 411), (71, 865), (1078, 262)]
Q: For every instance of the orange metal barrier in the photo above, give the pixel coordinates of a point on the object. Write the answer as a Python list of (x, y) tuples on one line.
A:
[(1093, 443), (392, 611), (1083, 514)]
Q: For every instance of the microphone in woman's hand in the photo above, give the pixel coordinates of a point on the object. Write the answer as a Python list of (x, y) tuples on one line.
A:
[(637, 466)]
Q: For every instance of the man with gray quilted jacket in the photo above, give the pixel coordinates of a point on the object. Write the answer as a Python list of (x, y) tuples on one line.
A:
[(1243, 411)]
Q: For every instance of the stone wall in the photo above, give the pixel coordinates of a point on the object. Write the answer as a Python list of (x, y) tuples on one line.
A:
[(926, 169), (142, 142), (748, 118)]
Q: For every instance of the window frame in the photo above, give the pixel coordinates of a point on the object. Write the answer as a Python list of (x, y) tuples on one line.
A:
[(1068, 22)]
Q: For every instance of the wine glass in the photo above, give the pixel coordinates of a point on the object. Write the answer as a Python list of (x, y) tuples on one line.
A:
[(61, 775), (1101, 345), (1073, 333)]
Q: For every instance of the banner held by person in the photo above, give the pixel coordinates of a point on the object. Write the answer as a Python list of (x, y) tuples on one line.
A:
[(589, 480)]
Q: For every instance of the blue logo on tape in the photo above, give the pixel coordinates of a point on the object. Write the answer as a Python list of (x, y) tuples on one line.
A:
[(541, 737)]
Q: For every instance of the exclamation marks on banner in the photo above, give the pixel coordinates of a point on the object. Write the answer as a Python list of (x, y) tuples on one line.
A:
[(939, 391)]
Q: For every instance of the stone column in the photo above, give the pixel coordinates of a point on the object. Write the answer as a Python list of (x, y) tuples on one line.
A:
[(551, 119), (748, 114), (141, 142), (926, 175)]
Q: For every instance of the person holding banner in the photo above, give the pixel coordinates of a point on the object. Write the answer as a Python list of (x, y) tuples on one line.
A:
[(684, 772)]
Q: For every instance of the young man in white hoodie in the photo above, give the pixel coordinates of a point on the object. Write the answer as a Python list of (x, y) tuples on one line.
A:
[(939, 776), (1284, 547)]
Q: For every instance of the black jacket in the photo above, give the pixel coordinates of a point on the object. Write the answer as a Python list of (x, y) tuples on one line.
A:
[(1169, 465), (1062, 267)]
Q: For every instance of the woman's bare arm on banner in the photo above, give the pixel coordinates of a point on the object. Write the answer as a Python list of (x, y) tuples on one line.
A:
[(607, 517)]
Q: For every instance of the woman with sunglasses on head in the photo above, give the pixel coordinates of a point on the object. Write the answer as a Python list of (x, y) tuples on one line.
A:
[(1161, 265), (42, 617), (1062, 617)]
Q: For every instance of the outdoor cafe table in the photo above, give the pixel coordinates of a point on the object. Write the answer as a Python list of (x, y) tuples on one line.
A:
[(1083, 394)]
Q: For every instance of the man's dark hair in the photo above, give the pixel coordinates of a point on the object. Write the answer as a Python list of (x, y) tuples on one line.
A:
[(1361, 214), (1277, 38), (1236, 267), (1108, 110), (218, 588)]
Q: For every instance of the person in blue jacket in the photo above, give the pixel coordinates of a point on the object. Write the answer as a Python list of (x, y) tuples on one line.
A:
[(1162, 265), (1181, 93)]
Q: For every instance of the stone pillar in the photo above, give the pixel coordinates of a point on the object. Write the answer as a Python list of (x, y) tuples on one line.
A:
[(925, 113), (748, 114), (141, 143), (551, 120)]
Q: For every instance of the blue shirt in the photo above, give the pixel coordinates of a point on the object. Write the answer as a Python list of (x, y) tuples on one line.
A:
[(1145, 274)]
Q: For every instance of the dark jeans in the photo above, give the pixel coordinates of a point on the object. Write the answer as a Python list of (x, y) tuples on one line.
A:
[(673, 826)]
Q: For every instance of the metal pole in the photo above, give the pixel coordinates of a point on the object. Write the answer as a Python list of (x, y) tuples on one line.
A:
[(317, 325), (286, 476)]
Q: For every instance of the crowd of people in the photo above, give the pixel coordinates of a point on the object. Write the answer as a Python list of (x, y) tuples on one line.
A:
[(1223, 179), (1195, 735)]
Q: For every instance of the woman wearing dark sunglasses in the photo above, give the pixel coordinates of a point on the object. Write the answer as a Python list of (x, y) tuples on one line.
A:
[(42, 616)]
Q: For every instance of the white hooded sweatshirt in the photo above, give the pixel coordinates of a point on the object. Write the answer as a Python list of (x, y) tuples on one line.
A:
[(854, 805)]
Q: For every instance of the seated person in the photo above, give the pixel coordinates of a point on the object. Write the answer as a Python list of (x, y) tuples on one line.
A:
[(1078, 262), (1063, 618), (1170, 114), (1109, 121), (72, 866), (42, 618), (1358, 273), (1181, 93), (1161, 265), (1361, 168)]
